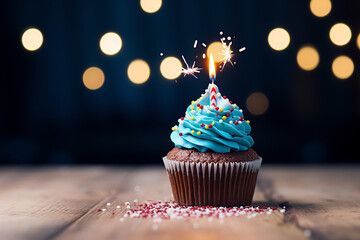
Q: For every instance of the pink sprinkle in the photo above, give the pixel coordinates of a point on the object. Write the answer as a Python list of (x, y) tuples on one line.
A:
[(158, 211)]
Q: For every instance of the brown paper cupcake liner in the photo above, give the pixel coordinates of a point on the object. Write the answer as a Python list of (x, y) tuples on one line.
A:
[(213, 184)]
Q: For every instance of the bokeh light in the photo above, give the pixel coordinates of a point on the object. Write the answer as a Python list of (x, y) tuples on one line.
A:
[(32, 39), (308, 58), (138, 71), (340, 34), (257, 103), (215, 49), (358, 41), (150, 6), (110, 43), (93, 78), (170, 67), (279, 39), (320, 8), (343, 67)]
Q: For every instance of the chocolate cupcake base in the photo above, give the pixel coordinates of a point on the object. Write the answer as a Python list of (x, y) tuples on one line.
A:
[(213, 184)]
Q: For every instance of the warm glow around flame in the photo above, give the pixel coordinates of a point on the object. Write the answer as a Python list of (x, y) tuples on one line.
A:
[(212, 72)]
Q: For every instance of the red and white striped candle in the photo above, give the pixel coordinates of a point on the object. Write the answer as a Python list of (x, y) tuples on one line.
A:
[(213, 95)]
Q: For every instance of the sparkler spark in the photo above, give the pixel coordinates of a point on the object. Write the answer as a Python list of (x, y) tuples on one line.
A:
[(227, 53), (190, 70), (242, 49)]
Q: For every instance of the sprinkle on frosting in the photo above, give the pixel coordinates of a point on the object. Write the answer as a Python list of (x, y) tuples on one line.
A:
[(221, 129)]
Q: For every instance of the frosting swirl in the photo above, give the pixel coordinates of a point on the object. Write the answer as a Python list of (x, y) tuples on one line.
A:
[(219, 129)]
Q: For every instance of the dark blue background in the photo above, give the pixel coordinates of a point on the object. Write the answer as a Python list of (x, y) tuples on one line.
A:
[(48, 116)]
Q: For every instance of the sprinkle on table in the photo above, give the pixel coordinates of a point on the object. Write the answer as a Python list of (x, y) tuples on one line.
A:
[(169, 210)]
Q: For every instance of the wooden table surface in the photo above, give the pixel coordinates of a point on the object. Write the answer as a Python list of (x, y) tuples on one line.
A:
[(62, 203)]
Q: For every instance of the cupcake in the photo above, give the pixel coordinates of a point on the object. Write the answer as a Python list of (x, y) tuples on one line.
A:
[(212, 163)]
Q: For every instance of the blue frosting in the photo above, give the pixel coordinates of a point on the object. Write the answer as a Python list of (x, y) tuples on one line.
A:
[(204, 128)]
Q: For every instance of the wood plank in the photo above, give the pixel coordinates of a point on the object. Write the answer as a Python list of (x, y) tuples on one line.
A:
[(62, 203), (324, 201), (41, 202)]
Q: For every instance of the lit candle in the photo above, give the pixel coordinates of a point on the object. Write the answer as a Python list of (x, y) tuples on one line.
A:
[(212, 76)]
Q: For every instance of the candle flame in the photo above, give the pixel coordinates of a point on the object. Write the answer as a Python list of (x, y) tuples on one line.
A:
[(212, 72)]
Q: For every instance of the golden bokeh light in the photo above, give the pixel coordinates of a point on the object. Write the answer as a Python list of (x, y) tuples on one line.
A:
[(320, 8), (110, 43), (138, 71), (150, 6), (358, 41), (308, 58), (343, 67), (32, 39), (257, 103), (340, 34), (215, 49), (170, 67), (93, 78), (279, 39)]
